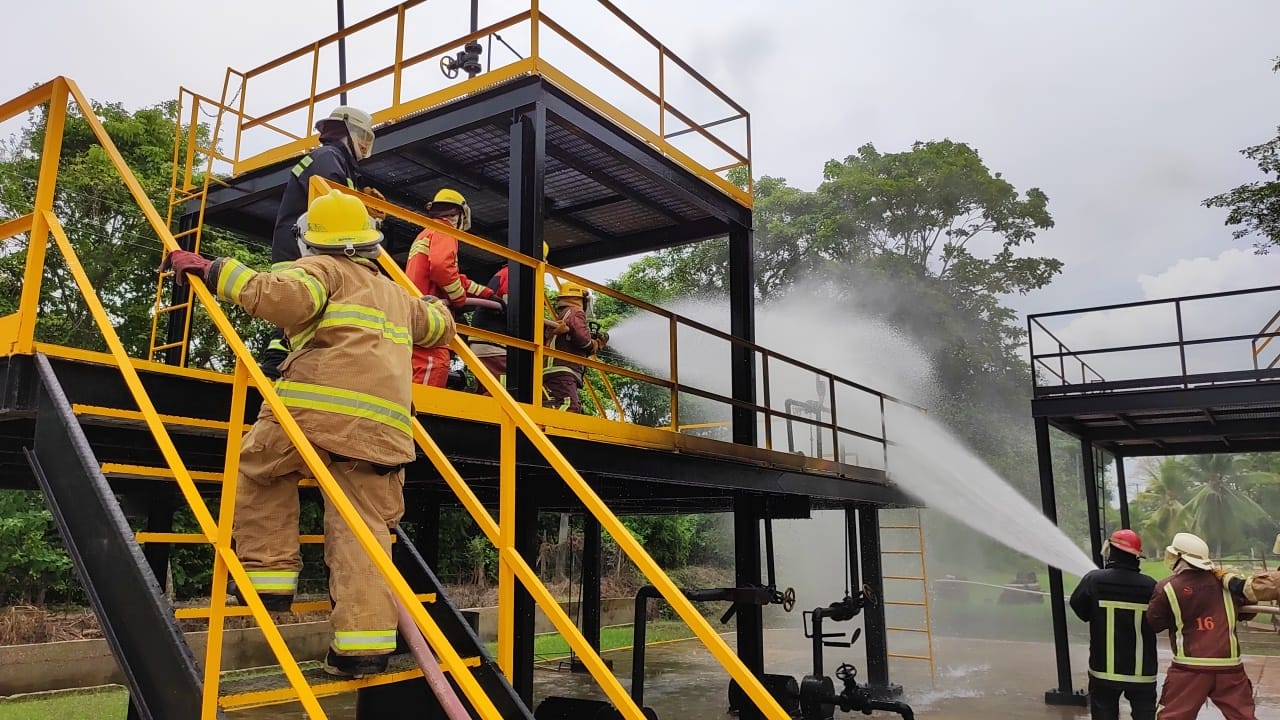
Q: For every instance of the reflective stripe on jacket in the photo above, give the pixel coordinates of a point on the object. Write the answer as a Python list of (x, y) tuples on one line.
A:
[(1122, 646), (348, 380), (1200, 616)]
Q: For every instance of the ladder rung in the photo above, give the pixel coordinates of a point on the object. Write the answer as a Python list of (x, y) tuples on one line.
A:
[(203, 612), (899, 527), (167, 346), (910, 657), (144, 471), (323, 686), (171, 308), (902, 629), (137, 416), (902, 552), (909, 603), (901, 577)]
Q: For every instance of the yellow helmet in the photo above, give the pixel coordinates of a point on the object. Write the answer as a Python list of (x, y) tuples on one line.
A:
[(449, 196), (573, 289), (546, 250), (339, 223)]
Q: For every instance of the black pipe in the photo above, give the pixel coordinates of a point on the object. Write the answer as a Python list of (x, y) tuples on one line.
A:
[(342, 53), (475, 15), (1089, 469), (770, 572), (639, 631)]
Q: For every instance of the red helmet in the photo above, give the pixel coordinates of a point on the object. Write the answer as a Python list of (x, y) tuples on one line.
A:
[(1127, 541)]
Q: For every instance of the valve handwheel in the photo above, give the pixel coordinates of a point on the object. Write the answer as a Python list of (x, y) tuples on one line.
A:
[(789, 599), (448, 67)]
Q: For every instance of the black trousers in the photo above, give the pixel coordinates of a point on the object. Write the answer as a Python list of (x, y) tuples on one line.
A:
[(1104, 699)]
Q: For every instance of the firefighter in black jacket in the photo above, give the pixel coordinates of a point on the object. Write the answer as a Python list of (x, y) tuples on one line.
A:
[(1122, 647), (346, 138)]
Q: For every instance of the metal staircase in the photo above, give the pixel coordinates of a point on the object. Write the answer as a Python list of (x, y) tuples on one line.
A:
[(165, 678)]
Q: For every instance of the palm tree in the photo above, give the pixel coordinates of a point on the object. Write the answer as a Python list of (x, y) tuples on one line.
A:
[(1220, 508), (1163, 499)]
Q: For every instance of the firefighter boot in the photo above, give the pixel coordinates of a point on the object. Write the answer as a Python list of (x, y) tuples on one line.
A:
[(274, 602), (355, 666)]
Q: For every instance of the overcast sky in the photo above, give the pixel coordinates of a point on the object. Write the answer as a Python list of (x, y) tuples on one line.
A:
[(1127, 114)]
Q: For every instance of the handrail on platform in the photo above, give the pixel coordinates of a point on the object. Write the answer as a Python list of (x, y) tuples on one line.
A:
[(512, 566), (673, 74)]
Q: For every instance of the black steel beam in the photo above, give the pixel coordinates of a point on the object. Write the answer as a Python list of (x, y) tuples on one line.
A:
[(1062, 694), (742, 324), (526, 541), (606, 136), (874, 628), (1189, 399), (158, 666), (609, 182), (591, 580), (748, 511), (1089, 475), (1171, 431), (606, 201), (1122, 489), (525, 235)]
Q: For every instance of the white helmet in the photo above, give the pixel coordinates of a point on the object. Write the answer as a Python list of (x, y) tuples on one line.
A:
[(359, 128), (1190, 548)]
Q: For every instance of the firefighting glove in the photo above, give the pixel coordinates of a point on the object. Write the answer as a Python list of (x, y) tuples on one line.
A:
[(183, 262), (375, 213)]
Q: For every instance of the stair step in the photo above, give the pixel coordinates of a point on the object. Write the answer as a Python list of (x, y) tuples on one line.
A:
[(198, 539), (203, 612), (148, 472), (98, 415), (273, 688)]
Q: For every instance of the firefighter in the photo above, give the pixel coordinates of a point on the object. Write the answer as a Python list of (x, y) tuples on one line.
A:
[(347, 383), (494, 357), (346, 138), (562, 379), (1200, 616), (1122, 647), (1253, 589), (433, 268)]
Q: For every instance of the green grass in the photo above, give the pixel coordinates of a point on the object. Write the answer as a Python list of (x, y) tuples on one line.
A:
[(109, 704), (552, 646)]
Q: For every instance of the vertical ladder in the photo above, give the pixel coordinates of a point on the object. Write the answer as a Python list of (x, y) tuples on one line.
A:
[(185, 188), (909, 536)]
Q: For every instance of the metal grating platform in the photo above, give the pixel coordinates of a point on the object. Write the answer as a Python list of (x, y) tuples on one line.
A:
[(608, 193)]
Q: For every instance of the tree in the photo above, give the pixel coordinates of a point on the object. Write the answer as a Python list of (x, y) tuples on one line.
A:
[(1162, 501), (1255, 206), (1220, 509)]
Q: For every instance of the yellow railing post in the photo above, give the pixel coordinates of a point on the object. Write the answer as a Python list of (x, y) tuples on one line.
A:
[(535, 20), (38, 238), (507, 539), (397, 73), (539, 330), (226, 519)]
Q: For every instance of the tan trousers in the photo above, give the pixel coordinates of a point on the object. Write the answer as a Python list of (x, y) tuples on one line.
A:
[(266, 534)]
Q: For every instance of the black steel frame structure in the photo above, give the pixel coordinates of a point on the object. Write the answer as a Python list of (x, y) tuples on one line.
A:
[(1231, 406)]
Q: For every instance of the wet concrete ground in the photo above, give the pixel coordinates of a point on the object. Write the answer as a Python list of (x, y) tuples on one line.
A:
[(975, 680)]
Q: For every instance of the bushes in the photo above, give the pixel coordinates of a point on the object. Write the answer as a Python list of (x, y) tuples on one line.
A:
[(34, 568)]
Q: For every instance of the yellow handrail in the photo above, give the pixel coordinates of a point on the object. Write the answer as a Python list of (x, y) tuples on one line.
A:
[(57, 93), (513, 566)]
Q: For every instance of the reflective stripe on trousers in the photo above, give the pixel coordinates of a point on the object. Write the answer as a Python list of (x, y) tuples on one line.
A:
[(1180, 656)]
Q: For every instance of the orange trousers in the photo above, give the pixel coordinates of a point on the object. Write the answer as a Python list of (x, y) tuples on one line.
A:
[(431, 366), (266, 534), (1185, 691)]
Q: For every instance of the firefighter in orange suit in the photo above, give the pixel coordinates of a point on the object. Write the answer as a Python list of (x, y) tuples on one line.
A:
[(433, 268), (562, 379), (1201, 617), (347, 383)]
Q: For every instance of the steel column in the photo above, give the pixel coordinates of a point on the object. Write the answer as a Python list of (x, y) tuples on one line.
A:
[(525, 235), (1122, 491), (591, 579), (874, 634), (527, 545), (742, 324), (1062, 694), (1089, 471), (748, 511)]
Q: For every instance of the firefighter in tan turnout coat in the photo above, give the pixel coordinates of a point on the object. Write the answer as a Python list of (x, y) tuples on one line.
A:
[(348, 383)]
